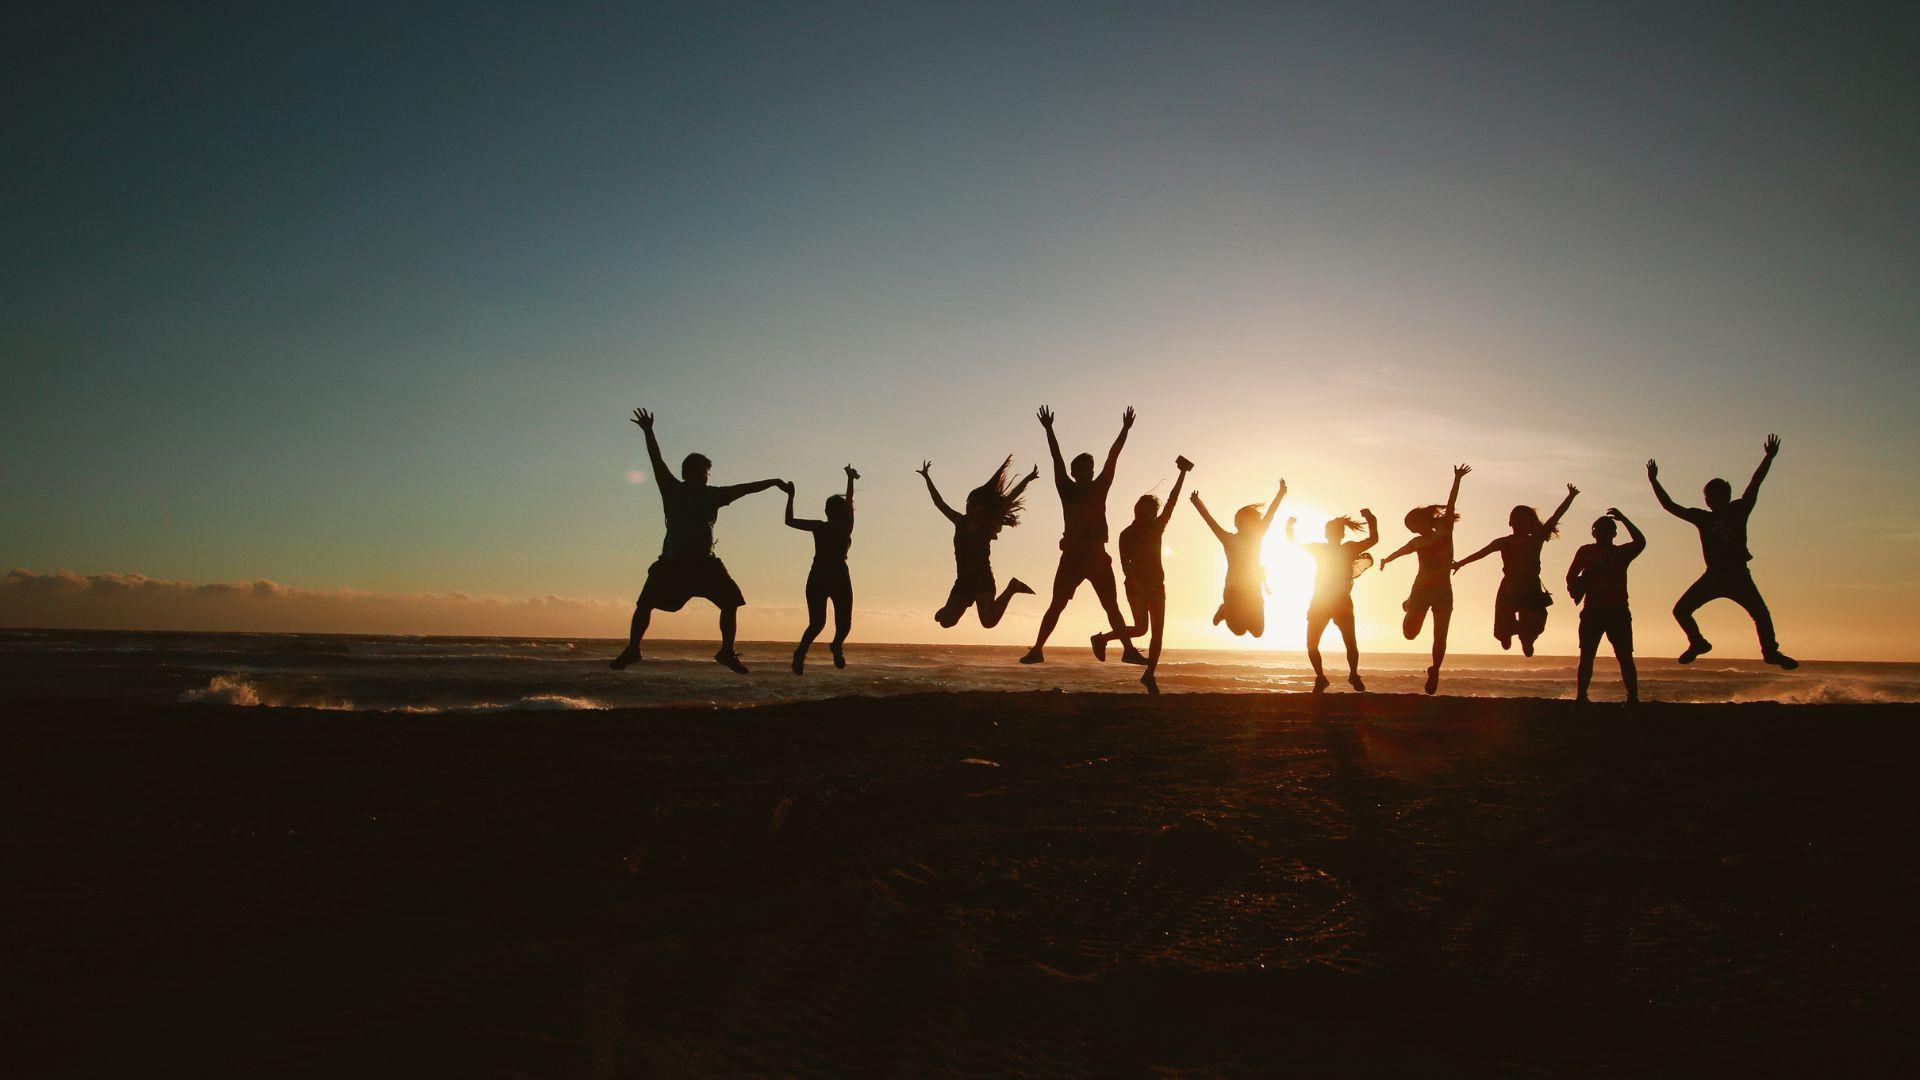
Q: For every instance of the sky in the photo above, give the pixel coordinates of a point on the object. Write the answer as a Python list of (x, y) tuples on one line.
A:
[(332, 320)]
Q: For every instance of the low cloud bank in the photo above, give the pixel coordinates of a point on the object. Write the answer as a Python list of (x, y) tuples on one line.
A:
[(116, 601)]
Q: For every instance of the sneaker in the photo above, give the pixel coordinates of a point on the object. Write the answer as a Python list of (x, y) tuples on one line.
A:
[(729, 659), (1358, 686), (799, 661), (1780, 660), (628, 656), (1433, 679), (1320, 684), (1033, 656), (1152, 684), (839, 656), (1696, 649), (1100, 648), (1131, 655)]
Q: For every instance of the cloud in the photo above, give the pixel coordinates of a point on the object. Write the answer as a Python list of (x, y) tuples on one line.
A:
[(136, 601)]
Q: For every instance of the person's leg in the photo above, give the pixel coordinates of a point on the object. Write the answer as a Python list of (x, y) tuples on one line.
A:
[(1066, 579), (1344, 620), (1747, 595), (1316, 626), (1101, 578), (816, 619), (1696, 597), (1621, 637), (1157, 621), (729, 620), (1416, 617), (642, 616), (842, 596), (1590, 630), (1442, 621)]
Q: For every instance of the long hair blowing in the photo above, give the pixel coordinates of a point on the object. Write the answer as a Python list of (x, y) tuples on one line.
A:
[(1430, 516), (995, 500)]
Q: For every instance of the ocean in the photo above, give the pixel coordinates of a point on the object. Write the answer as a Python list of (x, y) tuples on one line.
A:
[(489, 674)]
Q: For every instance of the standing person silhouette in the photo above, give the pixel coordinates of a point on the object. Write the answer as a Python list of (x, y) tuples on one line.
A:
[(1336, 564), (1146, 577), (990, 507), (1598, 577), (1432, 528), (687, 566), (1083, 543), (1520, 605), (828, 579), (1723, 542), (1243, 601)]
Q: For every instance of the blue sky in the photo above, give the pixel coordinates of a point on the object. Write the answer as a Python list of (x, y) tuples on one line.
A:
[(359, 299)]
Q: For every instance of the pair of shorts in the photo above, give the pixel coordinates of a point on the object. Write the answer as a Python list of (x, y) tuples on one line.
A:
[(673, 580), (1435, 598), (1082, 564), (1144, 595), (1615, 623), (1340, 607)]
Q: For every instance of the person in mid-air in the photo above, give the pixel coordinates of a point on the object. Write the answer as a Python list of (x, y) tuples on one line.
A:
[(1146, 578), (992, 506), (1243, 601), (1598, 579), (1083, 542), (1432, 529), (1336, 563), (1723, 542), (687, 566), (828, 579), (1520, 605)]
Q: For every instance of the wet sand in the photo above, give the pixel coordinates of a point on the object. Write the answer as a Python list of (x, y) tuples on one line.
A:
[(1033, 883)]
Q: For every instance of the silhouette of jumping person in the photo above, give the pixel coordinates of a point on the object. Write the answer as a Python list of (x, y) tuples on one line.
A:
[(1520, 605), (1336, 563), (1243, 601), (1598, 577), (828, 579), (687, 566), (1723, 542), (1432, 529), (990, 507), (1146, 578), (1083, 544)]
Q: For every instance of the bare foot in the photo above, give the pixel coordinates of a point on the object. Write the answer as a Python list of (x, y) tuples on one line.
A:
[(1033, 656), (627, 657), (730, 660), (1016, 586)]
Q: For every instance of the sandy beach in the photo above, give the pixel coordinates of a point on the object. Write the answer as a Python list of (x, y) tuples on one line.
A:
[(1040, 884)]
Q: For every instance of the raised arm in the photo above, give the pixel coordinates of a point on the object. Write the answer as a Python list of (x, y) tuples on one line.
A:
[(1219, 532), (1274, 506), (662, 475), (926, 473), (1638, 540), (1060, 480), (1113, 454), (1445, 524), (1548, 526), (852, 475), (1766, 462), (1493, 545), (1660, 493), (1173, 497), (794, 522), (1020, 488), (1373, 531)]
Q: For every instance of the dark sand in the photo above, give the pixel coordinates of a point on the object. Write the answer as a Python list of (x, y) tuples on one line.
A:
[(1193, 884)]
